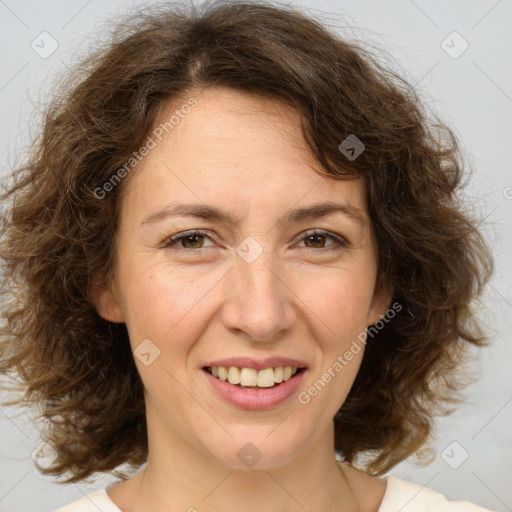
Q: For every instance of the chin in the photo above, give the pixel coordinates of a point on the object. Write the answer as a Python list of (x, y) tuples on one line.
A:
[(256, 450)]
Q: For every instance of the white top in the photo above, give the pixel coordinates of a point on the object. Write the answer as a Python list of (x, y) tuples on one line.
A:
[(400, 496)]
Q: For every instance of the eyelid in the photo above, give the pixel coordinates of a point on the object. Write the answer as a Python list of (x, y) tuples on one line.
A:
[(170, 241), (342, 242)]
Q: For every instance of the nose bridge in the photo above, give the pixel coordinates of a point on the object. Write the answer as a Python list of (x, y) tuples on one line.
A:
[(258, 302)]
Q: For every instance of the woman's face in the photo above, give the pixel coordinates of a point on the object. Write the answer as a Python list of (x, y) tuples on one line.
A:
[(254, 289)]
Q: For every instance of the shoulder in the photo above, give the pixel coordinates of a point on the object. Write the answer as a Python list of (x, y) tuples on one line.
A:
[(98, 500), (410, 497)]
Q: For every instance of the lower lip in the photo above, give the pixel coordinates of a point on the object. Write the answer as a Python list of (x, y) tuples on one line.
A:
[(256, 399)]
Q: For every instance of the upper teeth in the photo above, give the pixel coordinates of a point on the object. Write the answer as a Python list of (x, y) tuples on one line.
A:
[(250, 377)]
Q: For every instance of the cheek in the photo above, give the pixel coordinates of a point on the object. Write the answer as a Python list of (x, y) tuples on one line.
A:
[(161, 305), (338, 303), (340, 315)]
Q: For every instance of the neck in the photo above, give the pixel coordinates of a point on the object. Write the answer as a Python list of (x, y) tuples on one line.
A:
[(280, 490), (178, 477)]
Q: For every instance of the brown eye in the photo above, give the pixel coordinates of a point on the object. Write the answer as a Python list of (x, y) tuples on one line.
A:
[(193, 241), (317, 240), (189, 240)]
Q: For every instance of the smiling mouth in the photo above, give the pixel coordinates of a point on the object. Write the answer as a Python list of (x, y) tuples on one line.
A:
[(249, 378)]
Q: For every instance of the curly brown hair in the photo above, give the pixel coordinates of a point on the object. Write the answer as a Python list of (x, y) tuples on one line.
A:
[(58, 232)]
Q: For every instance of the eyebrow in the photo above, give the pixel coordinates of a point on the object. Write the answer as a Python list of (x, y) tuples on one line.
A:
[(296, 215)]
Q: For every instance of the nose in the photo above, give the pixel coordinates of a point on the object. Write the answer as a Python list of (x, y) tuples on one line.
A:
[(259, 304)]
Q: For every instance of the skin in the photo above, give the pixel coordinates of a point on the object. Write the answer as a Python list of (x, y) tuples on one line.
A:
[(302, 298)]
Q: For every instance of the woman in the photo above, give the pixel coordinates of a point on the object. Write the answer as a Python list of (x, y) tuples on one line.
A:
[(236, 262)]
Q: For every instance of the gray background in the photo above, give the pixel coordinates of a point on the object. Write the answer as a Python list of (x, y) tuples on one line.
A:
[(473, 92)]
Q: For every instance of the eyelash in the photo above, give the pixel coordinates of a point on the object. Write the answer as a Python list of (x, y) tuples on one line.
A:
[(172, 242)]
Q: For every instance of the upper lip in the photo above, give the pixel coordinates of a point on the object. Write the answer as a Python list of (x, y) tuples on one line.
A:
[(261, 364)]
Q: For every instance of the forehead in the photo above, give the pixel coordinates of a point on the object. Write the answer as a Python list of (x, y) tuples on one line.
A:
[(236, 147), (236, 124)]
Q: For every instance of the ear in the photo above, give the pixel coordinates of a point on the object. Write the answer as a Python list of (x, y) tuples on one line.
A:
[(381, 300), (105, 302)]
